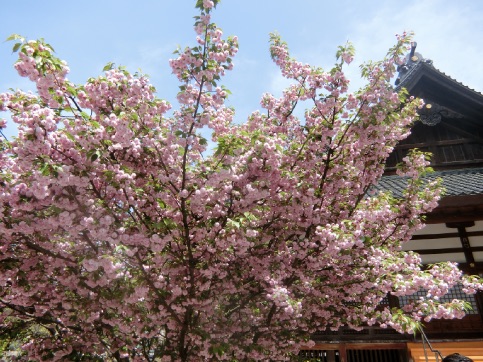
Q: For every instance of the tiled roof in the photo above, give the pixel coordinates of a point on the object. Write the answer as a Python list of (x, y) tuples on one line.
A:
[(460, 182), (428, 64)]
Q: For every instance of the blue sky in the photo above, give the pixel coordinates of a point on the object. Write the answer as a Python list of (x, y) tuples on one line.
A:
[(142, 35)]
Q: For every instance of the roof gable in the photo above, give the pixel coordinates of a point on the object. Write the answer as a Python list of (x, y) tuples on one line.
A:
[(421, 79), (450, 125)]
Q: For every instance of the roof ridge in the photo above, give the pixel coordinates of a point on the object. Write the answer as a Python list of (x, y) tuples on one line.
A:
[(459, 182), (414, 61)]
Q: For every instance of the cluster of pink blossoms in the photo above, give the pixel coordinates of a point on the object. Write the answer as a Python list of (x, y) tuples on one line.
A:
[(122, 238), (48, 76)]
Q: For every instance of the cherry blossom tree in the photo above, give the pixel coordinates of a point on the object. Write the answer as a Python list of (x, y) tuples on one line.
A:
[(122, 238)]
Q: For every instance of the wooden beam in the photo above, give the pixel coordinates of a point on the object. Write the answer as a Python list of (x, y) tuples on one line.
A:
[(444, 235), (453, 142), (455, 216), (462, 132), (460, 201), (446, 250), (356, 345), (457, 209), (465, 241), (457, 225)]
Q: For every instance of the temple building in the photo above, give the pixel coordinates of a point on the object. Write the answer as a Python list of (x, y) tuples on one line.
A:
[(450, 126)]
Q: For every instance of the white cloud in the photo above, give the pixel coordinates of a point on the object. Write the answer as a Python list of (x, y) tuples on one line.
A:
[(447, 32)]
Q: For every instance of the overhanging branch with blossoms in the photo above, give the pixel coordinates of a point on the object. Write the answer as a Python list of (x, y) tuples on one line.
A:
[(123, 238)]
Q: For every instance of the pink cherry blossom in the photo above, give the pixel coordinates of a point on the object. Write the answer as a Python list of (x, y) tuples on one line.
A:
[(123, 238)]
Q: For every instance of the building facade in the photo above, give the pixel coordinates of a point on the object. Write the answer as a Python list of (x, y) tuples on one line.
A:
[(450, 126)]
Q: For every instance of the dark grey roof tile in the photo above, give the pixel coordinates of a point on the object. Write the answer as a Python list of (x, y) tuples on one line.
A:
[(459, 182)]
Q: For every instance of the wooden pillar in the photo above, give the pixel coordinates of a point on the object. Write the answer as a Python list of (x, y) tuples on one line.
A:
[(465, 241), (470, 259), (342, 352), (330, 356)]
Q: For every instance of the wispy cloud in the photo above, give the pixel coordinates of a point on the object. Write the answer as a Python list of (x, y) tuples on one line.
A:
[(445, 32)]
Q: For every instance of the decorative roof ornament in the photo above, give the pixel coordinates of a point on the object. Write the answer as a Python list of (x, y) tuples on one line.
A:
[(432, 113), (412, 60)]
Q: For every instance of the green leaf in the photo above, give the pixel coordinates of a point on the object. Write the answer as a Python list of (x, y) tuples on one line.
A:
[(249, 216), (71, 89), (179, 133), (15, 37), (108, 66), (69, 136), (93, 155), (226, 90), (45, 169), (233, 223), (120, 248), (16, 47), (50, 47)]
